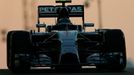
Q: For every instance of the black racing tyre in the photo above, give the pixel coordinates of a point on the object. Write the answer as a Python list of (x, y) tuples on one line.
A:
[(18, 42), (49, 28), (114, 42), (79, 28)]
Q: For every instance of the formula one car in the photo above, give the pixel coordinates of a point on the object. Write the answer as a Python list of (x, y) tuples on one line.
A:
[(65, 45)]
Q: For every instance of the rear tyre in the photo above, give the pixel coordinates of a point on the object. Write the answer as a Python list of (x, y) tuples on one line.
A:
[(18, 46), (49, 28), (114, 42)]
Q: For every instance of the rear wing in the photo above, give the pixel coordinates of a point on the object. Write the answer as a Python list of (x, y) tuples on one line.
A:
[(51, 11)]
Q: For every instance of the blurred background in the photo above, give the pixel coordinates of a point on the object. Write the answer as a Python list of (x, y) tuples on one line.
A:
[(22, 14)]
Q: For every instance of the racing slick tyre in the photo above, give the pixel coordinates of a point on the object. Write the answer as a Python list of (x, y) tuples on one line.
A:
[(49, 28), (115, 54), (18, 46)]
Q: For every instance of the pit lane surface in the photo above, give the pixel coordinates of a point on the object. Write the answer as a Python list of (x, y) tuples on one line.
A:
[(129, 71)]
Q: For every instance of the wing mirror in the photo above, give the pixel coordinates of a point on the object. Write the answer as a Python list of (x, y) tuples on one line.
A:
[(88, 24), (40, 25)]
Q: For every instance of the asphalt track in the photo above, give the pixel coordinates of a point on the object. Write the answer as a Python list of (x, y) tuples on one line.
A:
[(129, 71)]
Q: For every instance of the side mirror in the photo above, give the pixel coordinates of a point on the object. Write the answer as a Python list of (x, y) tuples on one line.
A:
[(88, 24), (40, 25)]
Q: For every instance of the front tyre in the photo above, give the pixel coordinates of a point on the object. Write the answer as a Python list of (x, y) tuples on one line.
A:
[(115, 54), (18, 46)]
